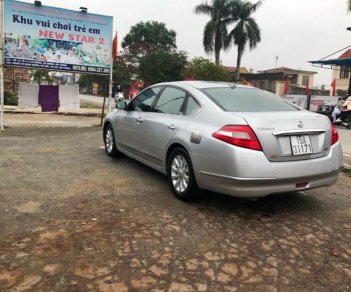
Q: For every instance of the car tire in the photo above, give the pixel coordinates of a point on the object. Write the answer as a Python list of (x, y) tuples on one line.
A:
[(181, 176), (110, 142)]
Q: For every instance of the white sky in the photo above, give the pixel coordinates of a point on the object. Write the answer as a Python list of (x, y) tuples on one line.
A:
[(296, 31)]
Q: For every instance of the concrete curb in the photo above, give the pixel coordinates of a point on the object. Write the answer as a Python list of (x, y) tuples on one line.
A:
[(347, 168), (98, 115)]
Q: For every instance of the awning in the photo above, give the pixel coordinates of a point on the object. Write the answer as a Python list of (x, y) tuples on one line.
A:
[(335, 62)]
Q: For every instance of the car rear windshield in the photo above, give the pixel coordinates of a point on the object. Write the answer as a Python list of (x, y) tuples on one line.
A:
[(247, 100)]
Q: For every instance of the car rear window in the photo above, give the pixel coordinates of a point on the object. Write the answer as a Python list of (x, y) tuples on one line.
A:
[(247, 100)]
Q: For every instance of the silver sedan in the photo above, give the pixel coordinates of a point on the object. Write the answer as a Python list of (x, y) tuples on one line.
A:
[(225, 138)]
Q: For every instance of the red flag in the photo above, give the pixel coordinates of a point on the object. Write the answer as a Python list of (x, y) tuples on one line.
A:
[(307, 86), (115, 47), (333, 85), (286, 86)]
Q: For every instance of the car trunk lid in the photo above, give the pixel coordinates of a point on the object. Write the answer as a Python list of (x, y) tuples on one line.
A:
[(289, 136)]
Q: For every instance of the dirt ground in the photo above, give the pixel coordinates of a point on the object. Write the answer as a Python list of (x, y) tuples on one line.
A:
[(49, 121), (73, 219)]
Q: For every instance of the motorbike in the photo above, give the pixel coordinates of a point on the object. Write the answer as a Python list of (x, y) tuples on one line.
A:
[(344, 120), (119, 97)]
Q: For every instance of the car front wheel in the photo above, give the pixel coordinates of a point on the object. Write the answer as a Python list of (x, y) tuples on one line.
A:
[(110, 144), (181, 175)]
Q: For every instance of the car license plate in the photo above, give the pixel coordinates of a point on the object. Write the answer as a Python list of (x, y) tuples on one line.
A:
[(301, 145)]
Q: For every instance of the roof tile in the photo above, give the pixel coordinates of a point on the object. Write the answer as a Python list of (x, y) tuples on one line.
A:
[(346, 55)]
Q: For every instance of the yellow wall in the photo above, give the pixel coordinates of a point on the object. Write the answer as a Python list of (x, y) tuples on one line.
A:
[(341, 84), (279, 87), (300, 77)]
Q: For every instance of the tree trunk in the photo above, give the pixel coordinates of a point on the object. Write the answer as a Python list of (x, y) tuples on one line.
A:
[(217, 53), (217, 46), (238, 63)]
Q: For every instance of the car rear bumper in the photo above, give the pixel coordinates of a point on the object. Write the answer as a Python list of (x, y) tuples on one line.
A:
[(248, 173), (262, 187)]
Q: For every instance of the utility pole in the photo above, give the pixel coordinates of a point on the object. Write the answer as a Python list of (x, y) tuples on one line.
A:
[(2, 64), (276, 61)]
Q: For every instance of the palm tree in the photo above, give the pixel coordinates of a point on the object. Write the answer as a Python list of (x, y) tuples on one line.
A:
[(215, 31), (246, 30)]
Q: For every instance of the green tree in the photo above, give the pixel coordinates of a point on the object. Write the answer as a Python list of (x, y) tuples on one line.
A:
[(246, 30), (122, 72), (215, 31), (146, 37), (204, 69), (41, 75), (162, 66), (10, 98)]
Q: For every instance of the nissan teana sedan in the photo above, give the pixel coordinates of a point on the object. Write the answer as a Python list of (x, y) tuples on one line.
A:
[(227, 138)]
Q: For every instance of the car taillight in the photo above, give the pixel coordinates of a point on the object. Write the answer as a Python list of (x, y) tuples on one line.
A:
[(335, 135), (238, 135)]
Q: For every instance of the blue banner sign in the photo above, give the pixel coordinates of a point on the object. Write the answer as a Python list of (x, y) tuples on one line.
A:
[(43, 37)]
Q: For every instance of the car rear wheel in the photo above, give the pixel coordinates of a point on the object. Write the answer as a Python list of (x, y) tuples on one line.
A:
[(181, 175), (110, 144)]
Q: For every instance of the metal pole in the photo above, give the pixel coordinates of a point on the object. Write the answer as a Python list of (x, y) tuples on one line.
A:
[(110, 91), (103, 110), (111, 75), (1, 63)]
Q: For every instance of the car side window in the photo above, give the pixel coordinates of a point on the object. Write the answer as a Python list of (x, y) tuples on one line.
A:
[(192, 106), (143, 102), (170, 101)]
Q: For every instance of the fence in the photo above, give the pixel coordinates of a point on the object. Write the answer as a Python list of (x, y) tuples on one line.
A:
[(314, 102)]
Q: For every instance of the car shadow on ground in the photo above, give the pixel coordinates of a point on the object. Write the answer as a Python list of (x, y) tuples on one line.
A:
[(292, 203)]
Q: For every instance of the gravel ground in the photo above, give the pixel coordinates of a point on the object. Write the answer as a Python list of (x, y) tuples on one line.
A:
[(73, 219)]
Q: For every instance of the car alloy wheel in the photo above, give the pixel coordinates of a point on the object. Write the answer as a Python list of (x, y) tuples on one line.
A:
[(181, 175), (109, 140)]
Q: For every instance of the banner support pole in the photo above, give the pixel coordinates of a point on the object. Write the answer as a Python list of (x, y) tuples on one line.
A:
[(2, 64), (110, 89), (111, 76)]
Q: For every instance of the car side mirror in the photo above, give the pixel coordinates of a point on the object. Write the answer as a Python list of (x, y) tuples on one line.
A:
[(121, 105)]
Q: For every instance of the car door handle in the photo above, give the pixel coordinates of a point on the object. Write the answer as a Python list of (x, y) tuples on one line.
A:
[(171, 127), (140, 120)]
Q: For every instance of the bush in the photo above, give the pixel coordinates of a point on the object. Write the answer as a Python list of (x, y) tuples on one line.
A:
[(340, 92), (10, 98)]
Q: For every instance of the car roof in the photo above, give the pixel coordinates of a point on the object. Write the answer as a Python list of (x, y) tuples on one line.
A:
[(203, 84)]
